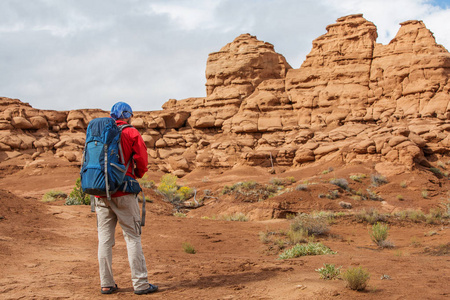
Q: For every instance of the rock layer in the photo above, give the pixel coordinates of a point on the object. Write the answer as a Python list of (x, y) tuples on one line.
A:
[(352, 99)]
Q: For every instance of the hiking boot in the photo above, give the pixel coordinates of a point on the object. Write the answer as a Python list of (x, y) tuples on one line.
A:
[(151, 289)]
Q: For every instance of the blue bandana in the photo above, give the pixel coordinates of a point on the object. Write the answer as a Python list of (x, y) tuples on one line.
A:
[(121, 110)]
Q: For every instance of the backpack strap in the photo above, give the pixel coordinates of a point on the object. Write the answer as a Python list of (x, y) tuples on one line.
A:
[(108, 194), (121, 128)]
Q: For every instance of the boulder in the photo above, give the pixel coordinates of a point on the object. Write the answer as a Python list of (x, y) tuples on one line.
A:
[(149, 140), (70, 156), (304, 155), (75, 124), (75, 115), (326, 149), (138, 123), (39, 122), (362, 147), (21, 123)]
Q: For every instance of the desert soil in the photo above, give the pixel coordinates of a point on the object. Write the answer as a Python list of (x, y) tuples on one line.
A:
[(48, 250)]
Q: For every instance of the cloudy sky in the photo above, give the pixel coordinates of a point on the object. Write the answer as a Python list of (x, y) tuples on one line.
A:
[(70, 54)]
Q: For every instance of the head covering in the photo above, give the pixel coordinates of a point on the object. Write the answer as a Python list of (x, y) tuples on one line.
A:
[(121, 110)]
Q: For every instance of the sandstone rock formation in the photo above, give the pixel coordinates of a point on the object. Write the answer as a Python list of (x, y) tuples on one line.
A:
[(351, 99), (233, 74)]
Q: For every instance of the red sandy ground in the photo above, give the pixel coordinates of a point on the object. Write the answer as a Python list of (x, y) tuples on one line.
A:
[(48, 250)]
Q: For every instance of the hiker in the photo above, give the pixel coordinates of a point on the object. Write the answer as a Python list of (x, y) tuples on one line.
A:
[(124, 208)]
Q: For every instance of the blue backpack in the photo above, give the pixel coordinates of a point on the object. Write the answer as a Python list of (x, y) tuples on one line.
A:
[(103, 171)]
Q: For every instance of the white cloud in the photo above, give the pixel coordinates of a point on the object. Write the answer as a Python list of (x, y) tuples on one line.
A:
[(438, 23), (82, 53), (188, 15)]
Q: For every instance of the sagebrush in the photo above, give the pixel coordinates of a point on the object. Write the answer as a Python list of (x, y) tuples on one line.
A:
[(77, 196), (329, 271), (356, 278), (313, 225), (306, 249), (379, 233), (53, 196), (251, 191), (188, 248), (340, 182), (378, 180), (240, 217)]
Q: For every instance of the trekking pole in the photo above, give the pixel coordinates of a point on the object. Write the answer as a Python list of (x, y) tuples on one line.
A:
[(92, 203), (143, 209)]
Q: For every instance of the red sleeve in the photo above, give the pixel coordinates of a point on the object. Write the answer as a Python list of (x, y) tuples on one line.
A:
[(140, 155), (132, 143)]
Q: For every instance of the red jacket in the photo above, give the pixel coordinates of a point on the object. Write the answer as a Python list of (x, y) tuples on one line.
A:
[(132, 143)]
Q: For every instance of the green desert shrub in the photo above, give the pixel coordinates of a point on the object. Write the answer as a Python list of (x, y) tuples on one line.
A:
[(172, 192), (264, 237), (276, 181), (239, 217), (340, 182), (435, 216), (179, 215), (185, 192), (313, 225), (370, 216), (436, 171), (373, 196), (425, 194), (168, 188), (77, 196), (289, 179), (280, 243), (358, 177), (416, 215), (188, 248), (379, 233), (52, 195), (297, 236), (306, 249), (330, 169), (332, 194), (329, 271), (145, 182), (356, 278), (251, 191), (378, 180), (301, 187), (282, 181), (290, 216), (272, 189)]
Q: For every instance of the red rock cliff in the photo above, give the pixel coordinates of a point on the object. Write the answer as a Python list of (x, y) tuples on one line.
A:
[(352, 99)]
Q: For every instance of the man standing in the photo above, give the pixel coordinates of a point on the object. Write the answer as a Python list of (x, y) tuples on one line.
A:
[(124, 208)]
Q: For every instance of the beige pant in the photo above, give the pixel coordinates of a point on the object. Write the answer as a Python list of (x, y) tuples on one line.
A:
[(124, 209)]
